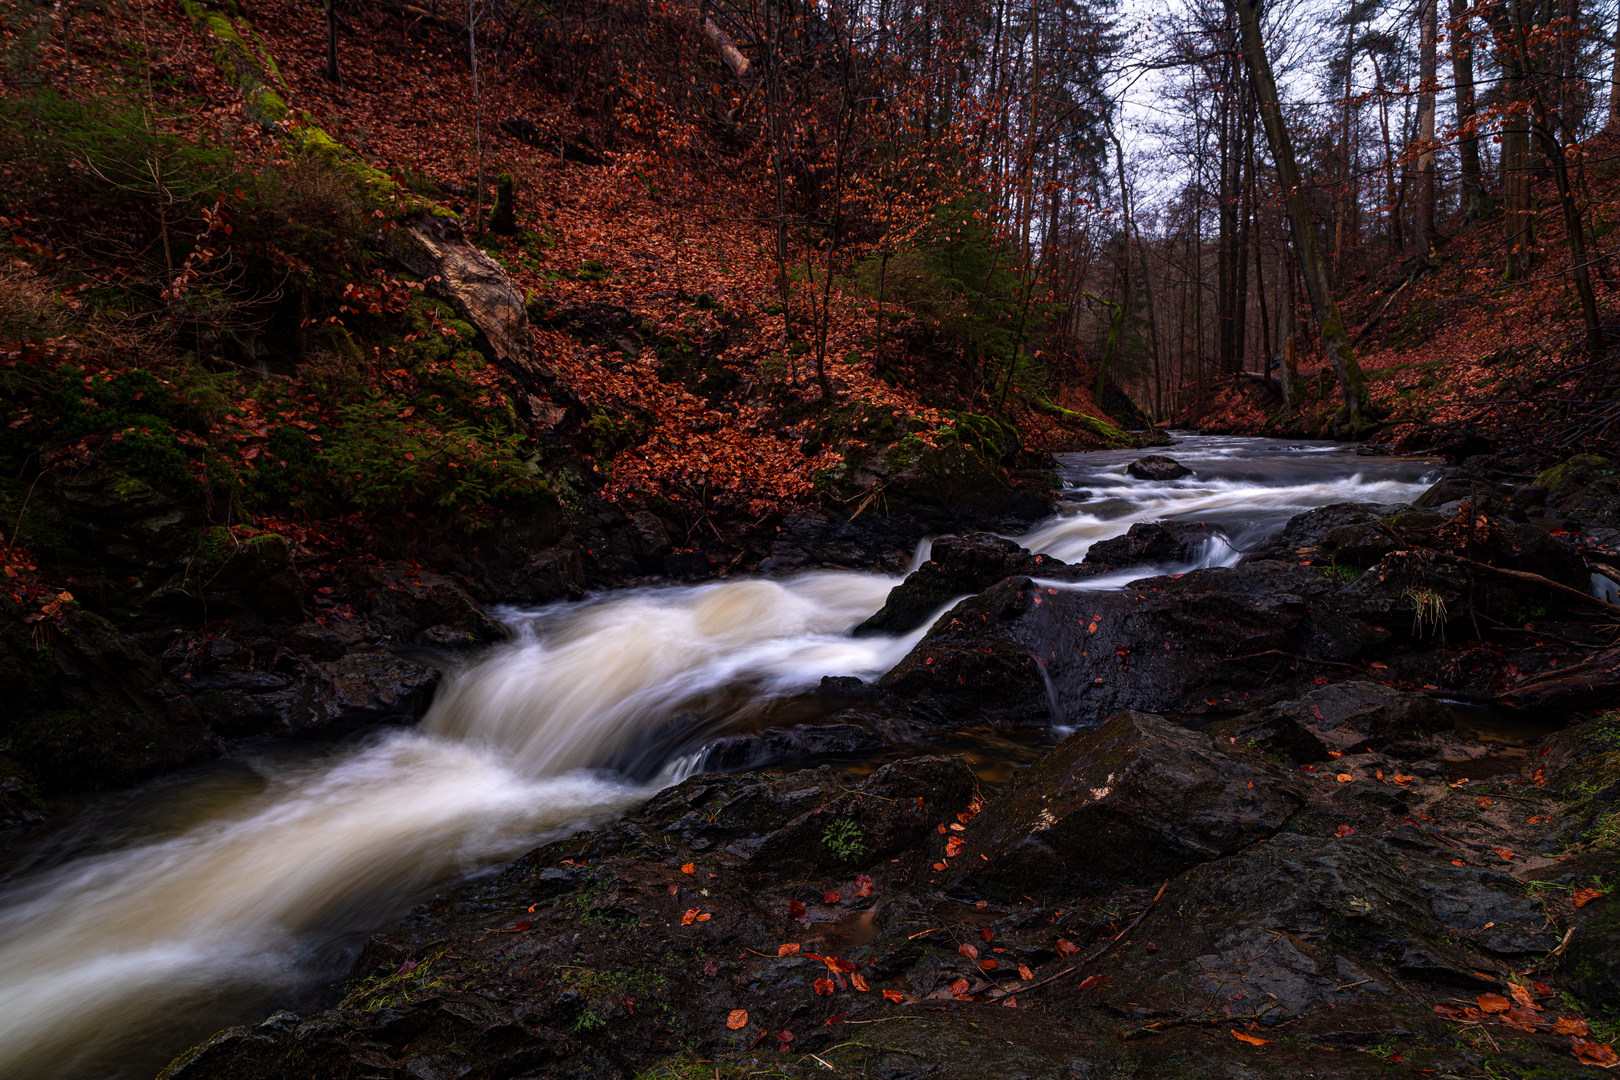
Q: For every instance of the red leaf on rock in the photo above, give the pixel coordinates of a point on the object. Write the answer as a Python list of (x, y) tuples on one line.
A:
[(1252, 1040), (835, 1018), (1592, 1053), (968, 951), (1066, 948), (737, 1018), (838, 965), (942, 866), (894, 995), (1569, 1025), (1093, 980), (1010, 1002), (989, 964), (789, 949), (689, 868), (795, 910), (690, 917), (863, 886), (829, 897), (953, 847), (859, 983), (824, 987), (1493, 1003), (986, 933), (522, 926), (1586, 896), (959, 987), (1024, 972)]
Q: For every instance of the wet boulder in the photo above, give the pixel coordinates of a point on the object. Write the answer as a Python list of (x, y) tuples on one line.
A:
[(1155, 542), (1343, 534), (1157, 467), (1136, 800), (1354, 714), (734, 753), (1484, 495), (1022, 654), (1275, 731), (367, 688), (399, 604), (958, 566), (1300, 922)]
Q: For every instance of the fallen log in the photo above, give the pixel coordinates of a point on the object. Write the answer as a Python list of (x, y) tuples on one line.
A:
[(735, 60), (1592, 683)]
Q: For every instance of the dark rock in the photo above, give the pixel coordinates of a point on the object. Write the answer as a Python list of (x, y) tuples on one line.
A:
[(313, 640), (1274, 730), (1461, 484), (400, 603), (1301, 922), (93, 709), (553, 574), (1021, 654), (688, 566), (1136, 800), (651, 537), (734, 753), (368, 688), (1359, 714), (1343, 534), (958, 566), (1156, 543), (1157, 467)]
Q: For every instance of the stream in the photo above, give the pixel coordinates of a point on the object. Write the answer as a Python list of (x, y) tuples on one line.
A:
[(158, 915)]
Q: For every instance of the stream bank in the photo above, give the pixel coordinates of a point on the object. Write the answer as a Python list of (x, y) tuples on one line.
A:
[(1161, 614)]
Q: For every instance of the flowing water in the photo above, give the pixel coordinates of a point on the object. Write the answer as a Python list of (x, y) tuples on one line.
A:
[(163, 914)]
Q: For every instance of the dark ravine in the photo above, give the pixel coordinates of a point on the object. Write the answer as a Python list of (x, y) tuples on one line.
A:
[(1267, 743), (1313, 870)]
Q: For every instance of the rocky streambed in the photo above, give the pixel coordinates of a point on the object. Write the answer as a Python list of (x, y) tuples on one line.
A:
[(1304, 801)]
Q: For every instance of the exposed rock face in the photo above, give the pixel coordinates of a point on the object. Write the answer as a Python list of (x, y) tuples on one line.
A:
[(1157, 467), (317, 698), (1135, 800), (958, 565), (739, 914), (1352, 714), (87, 707), (1483, 495), (1302, 922), (1153, 543), (1019, 653)]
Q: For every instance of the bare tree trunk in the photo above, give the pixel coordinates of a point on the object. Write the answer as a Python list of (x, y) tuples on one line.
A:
[(1474, 202), (478, 119), (1357, 408), (1614, 82), (332, 74), (1574, 225), (1425, 178), (1347, 179)]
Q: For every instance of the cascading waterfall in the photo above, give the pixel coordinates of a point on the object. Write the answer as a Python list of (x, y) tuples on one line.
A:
[(112, 961)]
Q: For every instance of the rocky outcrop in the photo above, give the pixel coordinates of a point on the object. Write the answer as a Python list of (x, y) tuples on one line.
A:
[(1345, 716), (1134, 801), (1199, 642), (957, 566), (742, 922)]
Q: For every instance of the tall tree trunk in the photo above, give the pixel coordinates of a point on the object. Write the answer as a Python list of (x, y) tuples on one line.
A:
[(1347, 179), (1425, 166), (1574, 225), (1518, 223), (332, 74), (1474, 202), (1614, 81), (1352, 381)]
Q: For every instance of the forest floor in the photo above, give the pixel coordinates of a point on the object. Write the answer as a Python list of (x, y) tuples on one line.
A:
[(1455, 357)]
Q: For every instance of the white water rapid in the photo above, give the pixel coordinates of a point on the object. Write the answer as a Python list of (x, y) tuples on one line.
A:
[(210, 901)]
